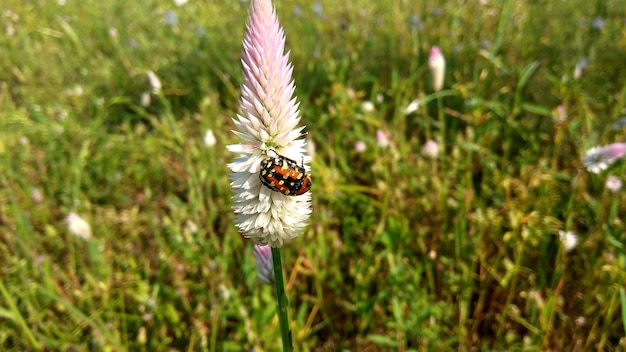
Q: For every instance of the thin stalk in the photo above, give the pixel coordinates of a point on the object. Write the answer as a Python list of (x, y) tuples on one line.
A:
[(442, 123), (281, 300), (444, 180)]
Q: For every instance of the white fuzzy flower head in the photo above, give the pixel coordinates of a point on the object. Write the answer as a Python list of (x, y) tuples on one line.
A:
[(381, 139), (600, 158), (155, 82), (569, 240), (145, 99), (367, 106), (267, 125), (37, 196), (209, 138), (360, 146), (613, 184), (78, 226), (437, 64), (430, 149)]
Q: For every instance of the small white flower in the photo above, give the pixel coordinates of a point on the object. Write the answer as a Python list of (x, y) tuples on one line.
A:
[(360, 146), (613, 184), (581, 65), (78, 226), (209, 138), (559, 114), (430, 149), (113, 33), (367, 106), (580, 321), (569, 240), (9, 29), (437, 64), (412, 107), (155, 82), (180, 2), (145, 99), (268, 123), (76, 91), (381, 139), (600, 158), (36, 195), (191, 226)]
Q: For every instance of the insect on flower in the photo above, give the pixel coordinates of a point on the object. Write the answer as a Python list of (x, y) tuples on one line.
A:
[(284, 175)]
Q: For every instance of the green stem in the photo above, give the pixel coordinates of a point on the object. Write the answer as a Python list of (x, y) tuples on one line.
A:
[(442, 124), (444, 179), (281, 300)]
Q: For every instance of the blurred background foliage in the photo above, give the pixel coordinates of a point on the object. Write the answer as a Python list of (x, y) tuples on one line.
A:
[(404, 251)]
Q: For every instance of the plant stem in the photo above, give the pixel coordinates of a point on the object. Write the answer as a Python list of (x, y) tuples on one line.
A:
[(444, 179), (281, 300)]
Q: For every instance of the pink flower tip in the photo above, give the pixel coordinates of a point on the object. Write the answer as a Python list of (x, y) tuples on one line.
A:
[(434, 52)]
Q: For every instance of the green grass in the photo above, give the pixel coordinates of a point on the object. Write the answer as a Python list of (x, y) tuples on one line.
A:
[(403, 252)]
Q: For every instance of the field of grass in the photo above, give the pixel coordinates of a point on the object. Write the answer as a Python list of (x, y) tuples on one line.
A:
[(404, 252)]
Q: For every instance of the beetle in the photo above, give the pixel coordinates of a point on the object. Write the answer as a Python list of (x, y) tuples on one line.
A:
[(284, 175)]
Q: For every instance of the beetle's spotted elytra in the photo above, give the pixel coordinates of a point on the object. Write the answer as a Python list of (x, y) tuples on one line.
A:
[(284, 175)]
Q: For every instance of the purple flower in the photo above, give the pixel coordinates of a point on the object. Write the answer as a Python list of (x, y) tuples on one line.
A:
[(619, 124), (268, 123), (264, 264), (170, 18), (600, 158), (297, 11), (133, 43), (416, 22), (598, 23), (318, 10)]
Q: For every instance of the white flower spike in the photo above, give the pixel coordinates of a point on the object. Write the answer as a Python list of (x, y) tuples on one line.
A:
[(600, 158), (78, 226), (268, 127), (437, 64), (569, 240)]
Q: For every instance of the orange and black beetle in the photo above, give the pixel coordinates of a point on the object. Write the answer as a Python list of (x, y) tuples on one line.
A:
[(284, 175)]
